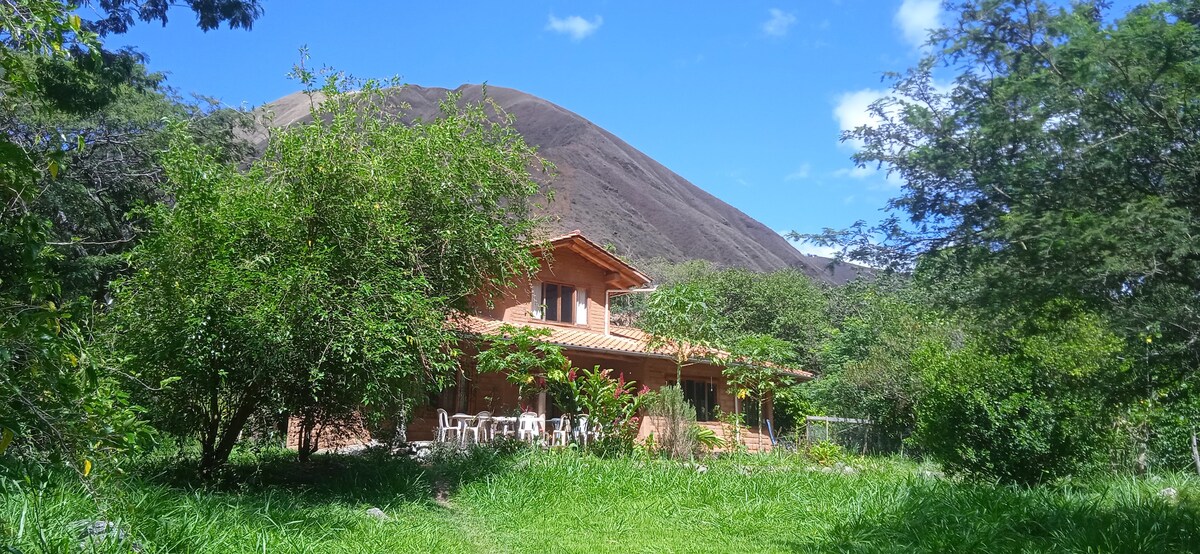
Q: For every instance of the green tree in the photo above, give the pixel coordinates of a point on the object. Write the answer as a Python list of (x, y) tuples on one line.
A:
[(683, 320), (1051, 153), (528, 361), (1028, 405), (869, 367), (753, 371), (322, 277), (56, 75)]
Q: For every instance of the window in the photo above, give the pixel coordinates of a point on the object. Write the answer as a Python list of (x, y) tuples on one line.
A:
[(559, 302), (703, 396)]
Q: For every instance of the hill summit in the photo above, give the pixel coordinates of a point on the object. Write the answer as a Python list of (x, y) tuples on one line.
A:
[(614, 193)]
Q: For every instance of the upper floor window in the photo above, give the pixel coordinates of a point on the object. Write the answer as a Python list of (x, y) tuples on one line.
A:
[(558, 302)]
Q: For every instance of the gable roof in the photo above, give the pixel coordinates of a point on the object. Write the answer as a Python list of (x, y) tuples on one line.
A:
[(621, 274), (620, 340)]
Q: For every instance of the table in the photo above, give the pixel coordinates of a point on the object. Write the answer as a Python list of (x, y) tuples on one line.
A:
[(462, 421), (506, 425)]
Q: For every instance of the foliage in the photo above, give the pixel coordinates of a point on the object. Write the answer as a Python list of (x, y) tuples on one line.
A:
[(78, 123), (753, 371), (675, 419), (118, 15), (611, 404), (706, 438), (526, 360), (1059, 162), (750, 307), (786, 304), (826, 453), (321, 277), (1027, 406), (869, 364), (683, 320)]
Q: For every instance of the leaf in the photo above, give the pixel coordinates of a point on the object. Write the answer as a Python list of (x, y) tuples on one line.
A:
[(53, 167), (87, 467), (6, 438)]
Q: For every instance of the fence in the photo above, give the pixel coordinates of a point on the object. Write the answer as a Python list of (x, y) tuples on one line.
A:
[(855, 435)]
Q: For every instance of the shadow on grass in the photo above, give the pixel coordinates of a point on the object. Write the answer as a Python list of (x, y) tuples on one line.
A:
[(925, 516), (373, 477)]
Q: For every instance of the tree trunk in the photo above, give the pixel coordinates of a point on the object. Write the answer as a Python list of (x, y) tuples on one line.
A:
[(1195, 453), (218, 446), (309, 439)]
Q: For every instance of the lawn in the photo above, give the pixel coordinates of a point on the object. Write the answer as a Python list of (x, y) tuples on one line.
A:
[(566, 502)]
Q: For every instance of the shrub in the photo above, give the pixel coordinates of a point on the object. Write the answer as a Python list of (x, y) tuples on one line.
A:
[(1025, 407), (612, 405), (676, 418), (825, 453), (706, 438)]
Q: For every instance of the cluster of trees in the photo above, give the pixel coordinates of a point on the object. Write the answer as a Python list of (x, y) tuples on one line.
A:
[(159, 276), (1049, 157), (80, 126)]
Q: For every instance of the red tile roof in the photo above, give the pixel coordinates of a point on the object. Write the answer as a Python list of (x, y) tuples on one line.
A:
[(620, 340)]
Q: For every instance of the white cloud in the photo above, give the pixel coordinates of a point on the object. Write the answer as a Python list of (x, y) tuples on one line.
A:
[(800, 174), (855, 172), (879, 179), (814, 250), (780, 23), (809, 248), (916, 17), (574, 26), (852, 110)]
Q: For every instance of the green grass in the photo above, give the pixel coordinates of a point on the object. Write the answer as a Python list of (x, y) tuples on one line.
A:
[(564, 502)]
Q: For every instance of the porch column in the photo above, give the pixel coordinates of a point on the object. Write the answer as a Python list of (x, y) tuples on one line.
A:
[(460, 391), (541, 403)]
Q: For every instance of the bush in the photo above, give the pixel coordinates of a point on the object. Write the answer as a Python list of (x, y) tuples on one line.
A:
[(826, 453), (676, 419), (611, 403), (1025, 407)]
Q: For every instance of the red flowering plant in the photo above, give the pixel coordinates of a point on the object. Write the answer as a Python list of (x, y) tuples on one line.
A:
[(611, 405)]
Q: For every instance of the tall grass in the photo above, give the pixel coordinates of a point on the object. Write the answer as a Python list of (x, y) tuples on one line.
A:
[(568, 502)]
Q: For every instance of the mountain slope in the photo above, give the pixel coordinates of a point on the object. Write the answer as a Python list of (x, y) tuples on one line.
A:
[(614, 193)]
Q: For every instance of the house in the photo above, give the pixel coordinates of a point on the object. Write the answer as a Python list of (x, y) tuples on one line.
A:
[(570, 296)]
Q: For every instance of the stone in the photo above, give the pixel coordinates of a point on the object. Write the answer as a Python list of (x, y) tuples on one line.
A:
[(378, 514), (701, 469), (99, 530), (1169, 493)]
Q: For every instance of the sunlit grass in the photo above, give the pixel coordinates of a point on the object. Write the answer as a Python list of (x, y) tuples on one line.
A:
[(564, 502)]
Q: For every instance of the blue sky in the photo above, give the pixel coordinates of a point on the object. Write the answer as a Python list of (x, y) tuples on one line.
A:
[(746, 100)]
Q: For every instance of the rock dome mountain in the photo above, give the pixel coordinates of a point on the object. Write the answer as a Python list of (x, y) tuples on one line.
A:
[(614, 193)]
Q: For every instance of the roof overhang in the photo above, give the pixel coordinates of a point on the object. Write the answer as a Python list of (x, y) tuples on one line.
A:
[(619, 273)]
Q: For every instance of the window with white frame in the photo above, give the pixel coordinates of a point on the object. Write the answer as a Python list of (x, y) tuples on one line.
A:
[(559, 302)]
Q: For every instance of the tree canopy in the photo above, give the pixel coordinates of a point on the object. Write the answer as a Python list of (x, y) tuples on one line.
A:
[(1050, 154), (321, 279)]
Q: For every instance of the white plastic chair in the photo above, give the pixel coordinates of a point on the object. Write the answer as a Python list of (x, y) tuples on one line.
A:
[(528, 428), (444, 429), (562, 431), (480, 430), (580, 432)]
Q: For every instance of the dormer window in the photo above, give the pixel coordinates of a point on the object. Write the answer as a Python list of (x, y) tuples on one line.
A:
[(559, 302)]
